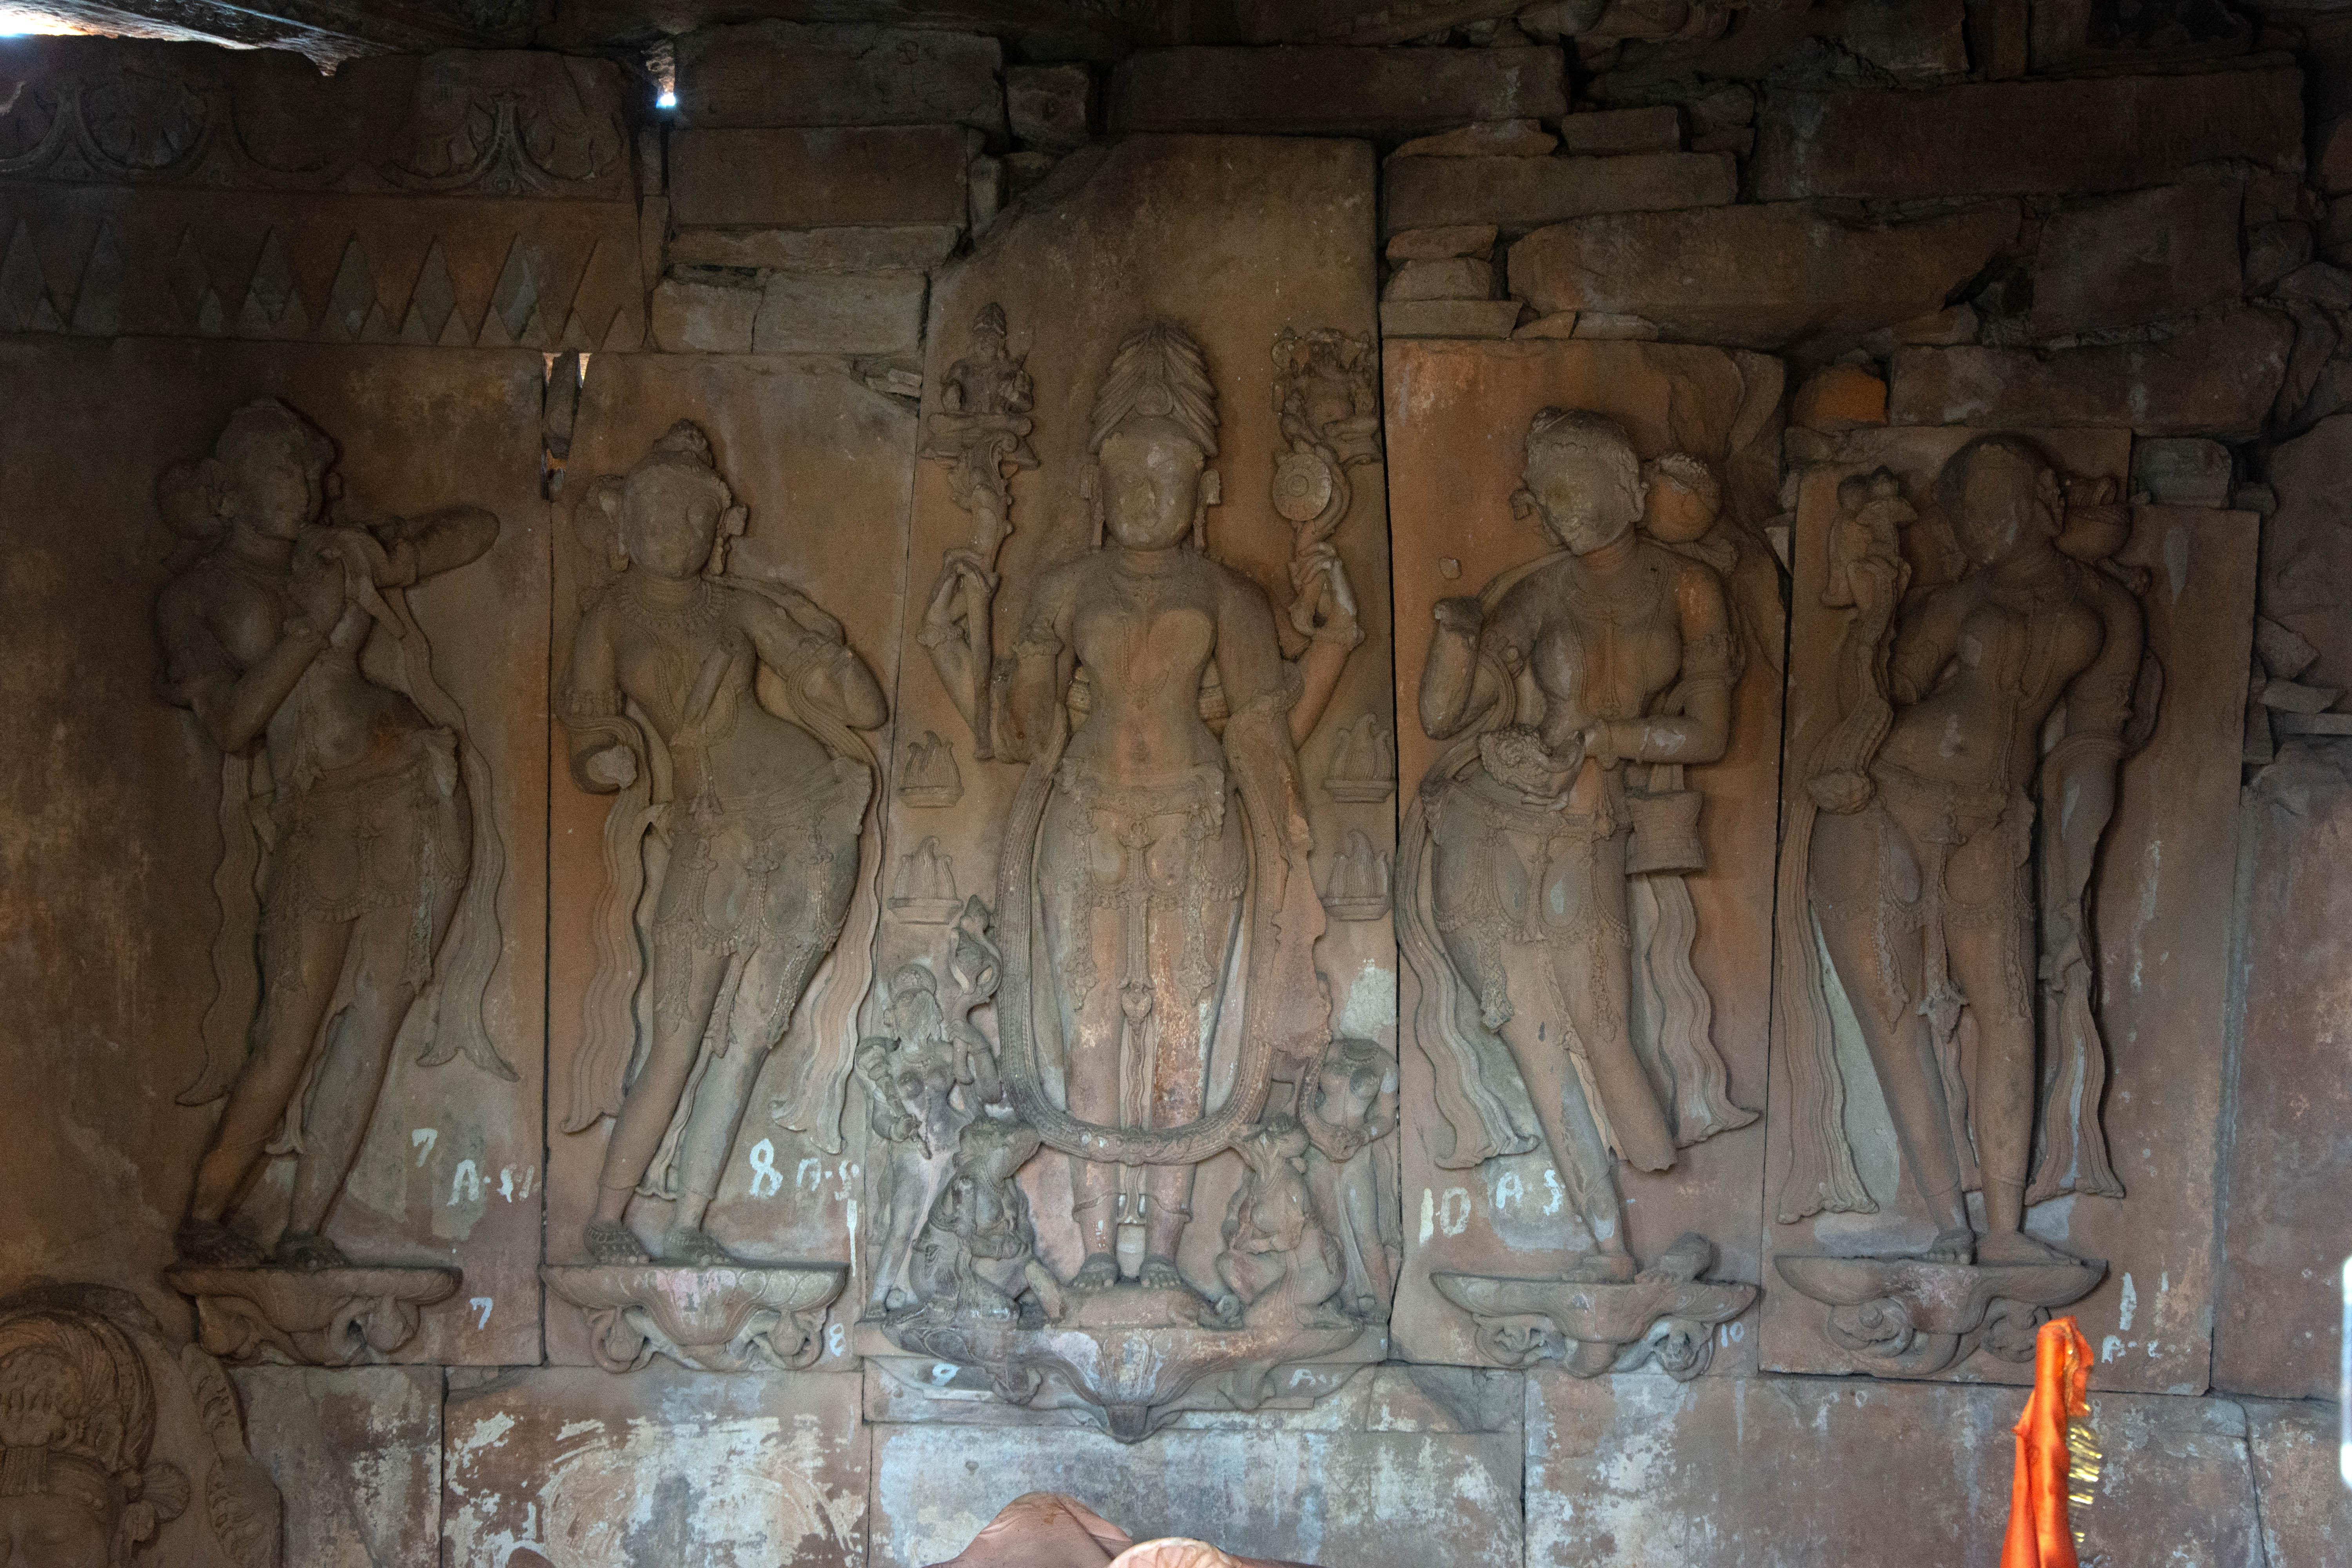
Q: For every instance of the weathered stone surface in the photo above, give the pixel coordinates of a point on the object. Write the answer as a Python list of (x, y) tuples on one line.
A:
[(1647, 1473), (1459, 415), (1488, 139), (703, 317), (1840, 398), (2023, 138), (2307, 1508), (1521, 193), (2273, 251), (787, 73), (2181, 471), (1333, 90), (1476, 239), (2217, 377), (356, 1452), (1050, 106), (814, 455), (2289, 1149), (2139, 257), (1449, 317), (819, 178), (2331, 159), (1909, 37), (1761, 277), (2307, 545), (1606, 132), (2166, 862), (580, 1467), (1399, 1457), (1462, 277), (867, 248), (107, 984), (864, 313)]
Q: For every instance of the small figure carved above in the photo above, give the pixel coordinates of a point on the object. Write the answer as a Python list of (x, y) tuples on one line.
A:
[(722, 713), (931, 779), (982, 433), (1278, 1258), (367, 910)]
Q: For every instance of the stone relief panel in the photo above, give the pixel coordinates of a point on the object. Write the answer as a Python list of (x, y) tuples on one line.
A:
[(330, 1090), (2015, 713), (1131, 1103), (1590, 623), (726, 650), (162, 190), (565, 1464), (122, 1446)]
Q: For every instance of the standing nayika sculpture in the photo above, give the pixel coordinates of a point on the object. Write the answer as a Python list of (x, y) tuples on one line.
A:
[(722, 713), (1156, 915), (359, 866), (1540, 890), (1938, 857)]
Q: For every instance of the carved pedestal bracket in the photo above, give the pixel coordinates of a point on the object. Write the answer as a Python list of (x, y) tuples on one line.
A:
[(1591, 1328), (768, 1319), (1132, 1360), (1907, 1316), (309, 1317)]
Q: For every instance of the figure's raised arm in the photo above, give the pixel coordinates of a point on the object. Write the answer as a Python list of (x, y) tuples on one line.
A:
[(1925, 641), (434, 541), (807, 647)]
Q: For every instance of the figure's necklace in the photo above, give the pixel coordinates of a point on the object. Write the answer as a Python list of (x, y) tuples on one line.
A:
[(693, 618)]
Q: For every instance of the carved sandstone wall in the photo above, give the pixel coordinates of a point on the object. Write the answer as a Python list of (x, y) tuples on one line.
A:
[(1304, 772)]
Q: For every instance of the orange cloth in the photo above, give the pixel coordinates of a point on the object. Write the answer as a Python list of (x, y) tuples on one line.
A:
[(2039, 1534)]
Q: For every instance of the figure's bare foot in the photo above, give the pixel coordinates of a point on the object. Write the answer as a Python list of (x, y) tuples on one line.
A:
[(214, 1245), (1680, 1263), (1099, 1272), (1957, 1245), (610, 1241), (1160, 1274), (2016, 1246), (695, 1248), (307, 1250), (1601, 1268)]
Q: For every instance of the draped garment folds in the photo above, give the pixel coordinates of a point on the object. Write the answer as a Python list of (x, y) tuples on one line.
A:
[(391, 834), (1949, 853), (665, 862), (1531, 888), (1286, 1018)]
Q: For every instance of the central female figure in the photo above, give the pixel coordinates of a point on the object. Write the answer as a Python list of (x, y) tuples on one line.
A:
[(1156, 849)]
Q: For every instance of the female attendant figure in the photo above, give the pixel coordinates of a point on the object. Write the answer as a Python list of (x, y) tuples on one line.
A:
[(2014, 681), (350, 797), (756, 847), (1573, 682)]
